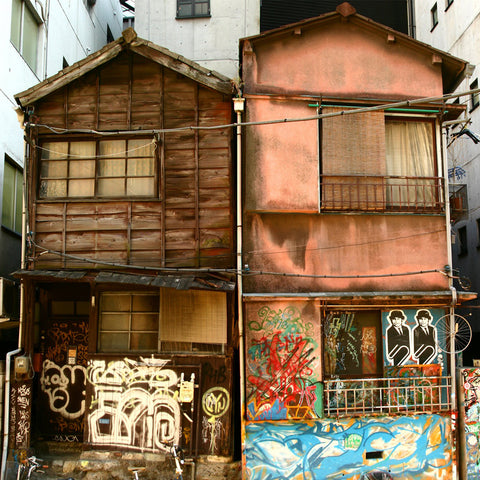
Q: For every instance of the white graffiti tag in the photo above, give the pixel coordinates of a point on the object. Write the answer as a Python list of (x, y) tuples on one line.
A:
[(57, 381), (134, 404)]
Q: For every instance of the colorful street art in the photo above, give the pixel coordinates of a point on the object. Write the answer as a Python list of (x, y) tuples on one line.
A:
[(414, 447), (411, 337), (471, 390), (138, 404), (283, 365)]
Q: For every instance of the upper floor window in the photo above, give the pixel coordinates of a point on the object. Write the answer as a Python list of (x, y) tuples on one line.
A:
[(193, 8), (177, 321), (434, 15), (24, 31), (475, 96), (101, 168), (378, 163), (12, 197), (448, 3), (462, 241)]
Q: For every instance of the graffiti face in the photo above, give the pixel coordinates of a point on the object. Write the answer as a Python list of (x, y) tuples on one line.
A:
[(411, 338)]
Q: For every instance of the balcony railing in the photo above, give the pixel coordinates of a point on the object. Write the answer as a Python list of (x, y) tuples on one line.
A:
[(382, 193), (388, 396)]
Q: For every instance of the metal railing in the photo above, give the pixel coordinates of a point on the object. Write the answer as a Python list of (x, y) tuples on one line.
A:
[(384, 193), (390, 396)]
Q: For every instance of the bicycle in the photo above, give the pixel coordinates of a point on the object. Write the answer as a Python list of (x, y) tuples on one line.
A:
[(178, 456), (28, 466)]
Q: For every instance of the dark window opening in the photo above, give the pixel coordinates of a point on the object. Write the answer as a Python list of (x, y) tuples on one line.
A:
[(475, 96), (462, 241), (109, 35), (193, 8), (434, 15)]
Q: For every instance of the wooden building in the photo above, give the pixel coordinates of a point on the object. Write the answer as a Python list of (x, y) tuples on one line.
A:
[(128, 292), (349, 363)]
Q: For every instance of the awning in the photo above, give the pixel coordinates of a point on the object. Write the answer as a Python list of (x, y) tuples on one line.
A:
[(178, 281)]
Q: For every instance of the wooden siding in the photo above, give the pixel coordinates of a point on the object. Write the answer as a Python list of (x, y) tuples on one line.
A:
[(189, 223)]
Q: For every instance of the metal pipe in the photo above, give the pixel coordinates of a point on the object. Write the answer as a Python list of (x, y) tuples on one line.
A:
[(239, 106), (6, 414)]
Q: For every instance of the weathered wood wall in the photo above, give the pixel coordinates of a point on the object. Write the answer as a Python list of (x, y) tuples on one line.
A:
[(189, 222)]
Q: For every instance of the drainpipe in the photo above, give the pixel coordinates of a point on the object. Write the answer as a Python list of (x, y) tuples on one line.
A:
[(449, 266), (7, 411), (239, 106)]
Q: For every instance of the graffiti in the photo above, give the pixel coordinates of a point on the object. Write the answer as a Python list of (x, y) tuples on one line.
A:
[(471, 389), (343, 343), (407, 447), (282, 364), (215, 404), (214, 375), (66, 438), (61, 334), (57, 383), (20, 420), (136, 404), (411, 337)]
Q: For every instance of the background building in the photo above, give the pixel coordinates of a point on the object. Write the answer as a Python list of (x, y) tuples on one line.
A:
[(207, 31), (454, 26), (39, 39)]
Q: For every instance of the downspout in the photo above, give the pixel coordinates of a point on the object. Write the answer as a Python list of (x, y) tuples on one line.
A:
[(449, 267), (6, 408), (239, 106)]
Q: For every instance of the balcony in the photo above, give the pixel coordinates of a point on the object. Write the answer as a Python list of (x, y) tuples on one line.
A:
[(387, 396), (354, 193), (458, 202)]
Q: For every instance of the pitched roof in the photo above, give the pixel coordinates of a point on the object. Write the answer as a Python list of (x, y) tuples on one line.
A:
[(131, 42), (453, 68)]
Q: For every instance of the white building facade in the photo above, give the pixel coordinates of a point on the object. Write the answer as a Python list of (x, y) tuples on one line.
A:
[(205, 31), (39, 38), (454, 26)]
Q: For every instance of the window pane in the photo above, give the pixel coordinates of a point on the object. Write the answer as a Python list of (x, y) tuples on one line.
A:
[(15, 24), (55, 169), (185, 10), (52, 150), (82, 149), (63, 308), (143, 341), (115, 303), (83, 308), (8, 196), (114, 321), (53, 188), (82, 169), (111, 168), (114, 342), (145, 303), (140, 186), (201, 8), (30, 38), (81, 188), (145, 322), (140, 167), (112, 148), (140, 148), (111, 187)]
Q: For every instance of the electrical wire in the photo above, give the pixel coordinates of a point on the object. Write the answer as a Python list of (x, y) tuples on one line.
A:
[(244, 272)]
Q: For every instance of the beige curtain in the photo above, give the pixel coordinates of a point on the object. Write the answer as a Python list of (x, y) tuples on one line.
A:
[(409, 153)]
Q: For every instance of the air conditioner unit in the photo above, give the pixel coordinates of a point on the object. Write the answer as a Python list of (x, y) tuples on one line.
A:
[(9, 300)]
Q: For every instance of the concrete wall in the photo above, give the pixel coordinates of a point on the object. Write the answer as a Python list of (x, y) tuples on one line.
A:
[(212, 41), (458, 32)]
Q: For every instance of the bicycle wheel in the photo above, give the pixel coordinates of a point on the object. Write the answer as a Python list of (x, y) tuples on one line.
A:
[(461, 333)]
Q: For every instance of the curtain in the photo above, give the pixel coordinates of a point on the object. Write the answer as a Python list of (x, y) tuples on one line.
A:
[(409, 153)]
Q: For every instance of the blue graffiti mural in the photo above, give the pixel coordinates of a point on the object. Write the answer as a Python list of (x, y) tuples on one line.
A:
[(405, 447)]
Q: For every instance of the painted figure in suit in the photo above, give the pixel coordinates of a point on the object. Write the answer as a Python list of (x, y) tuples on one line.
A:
[(398, 338), (424, 338)]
